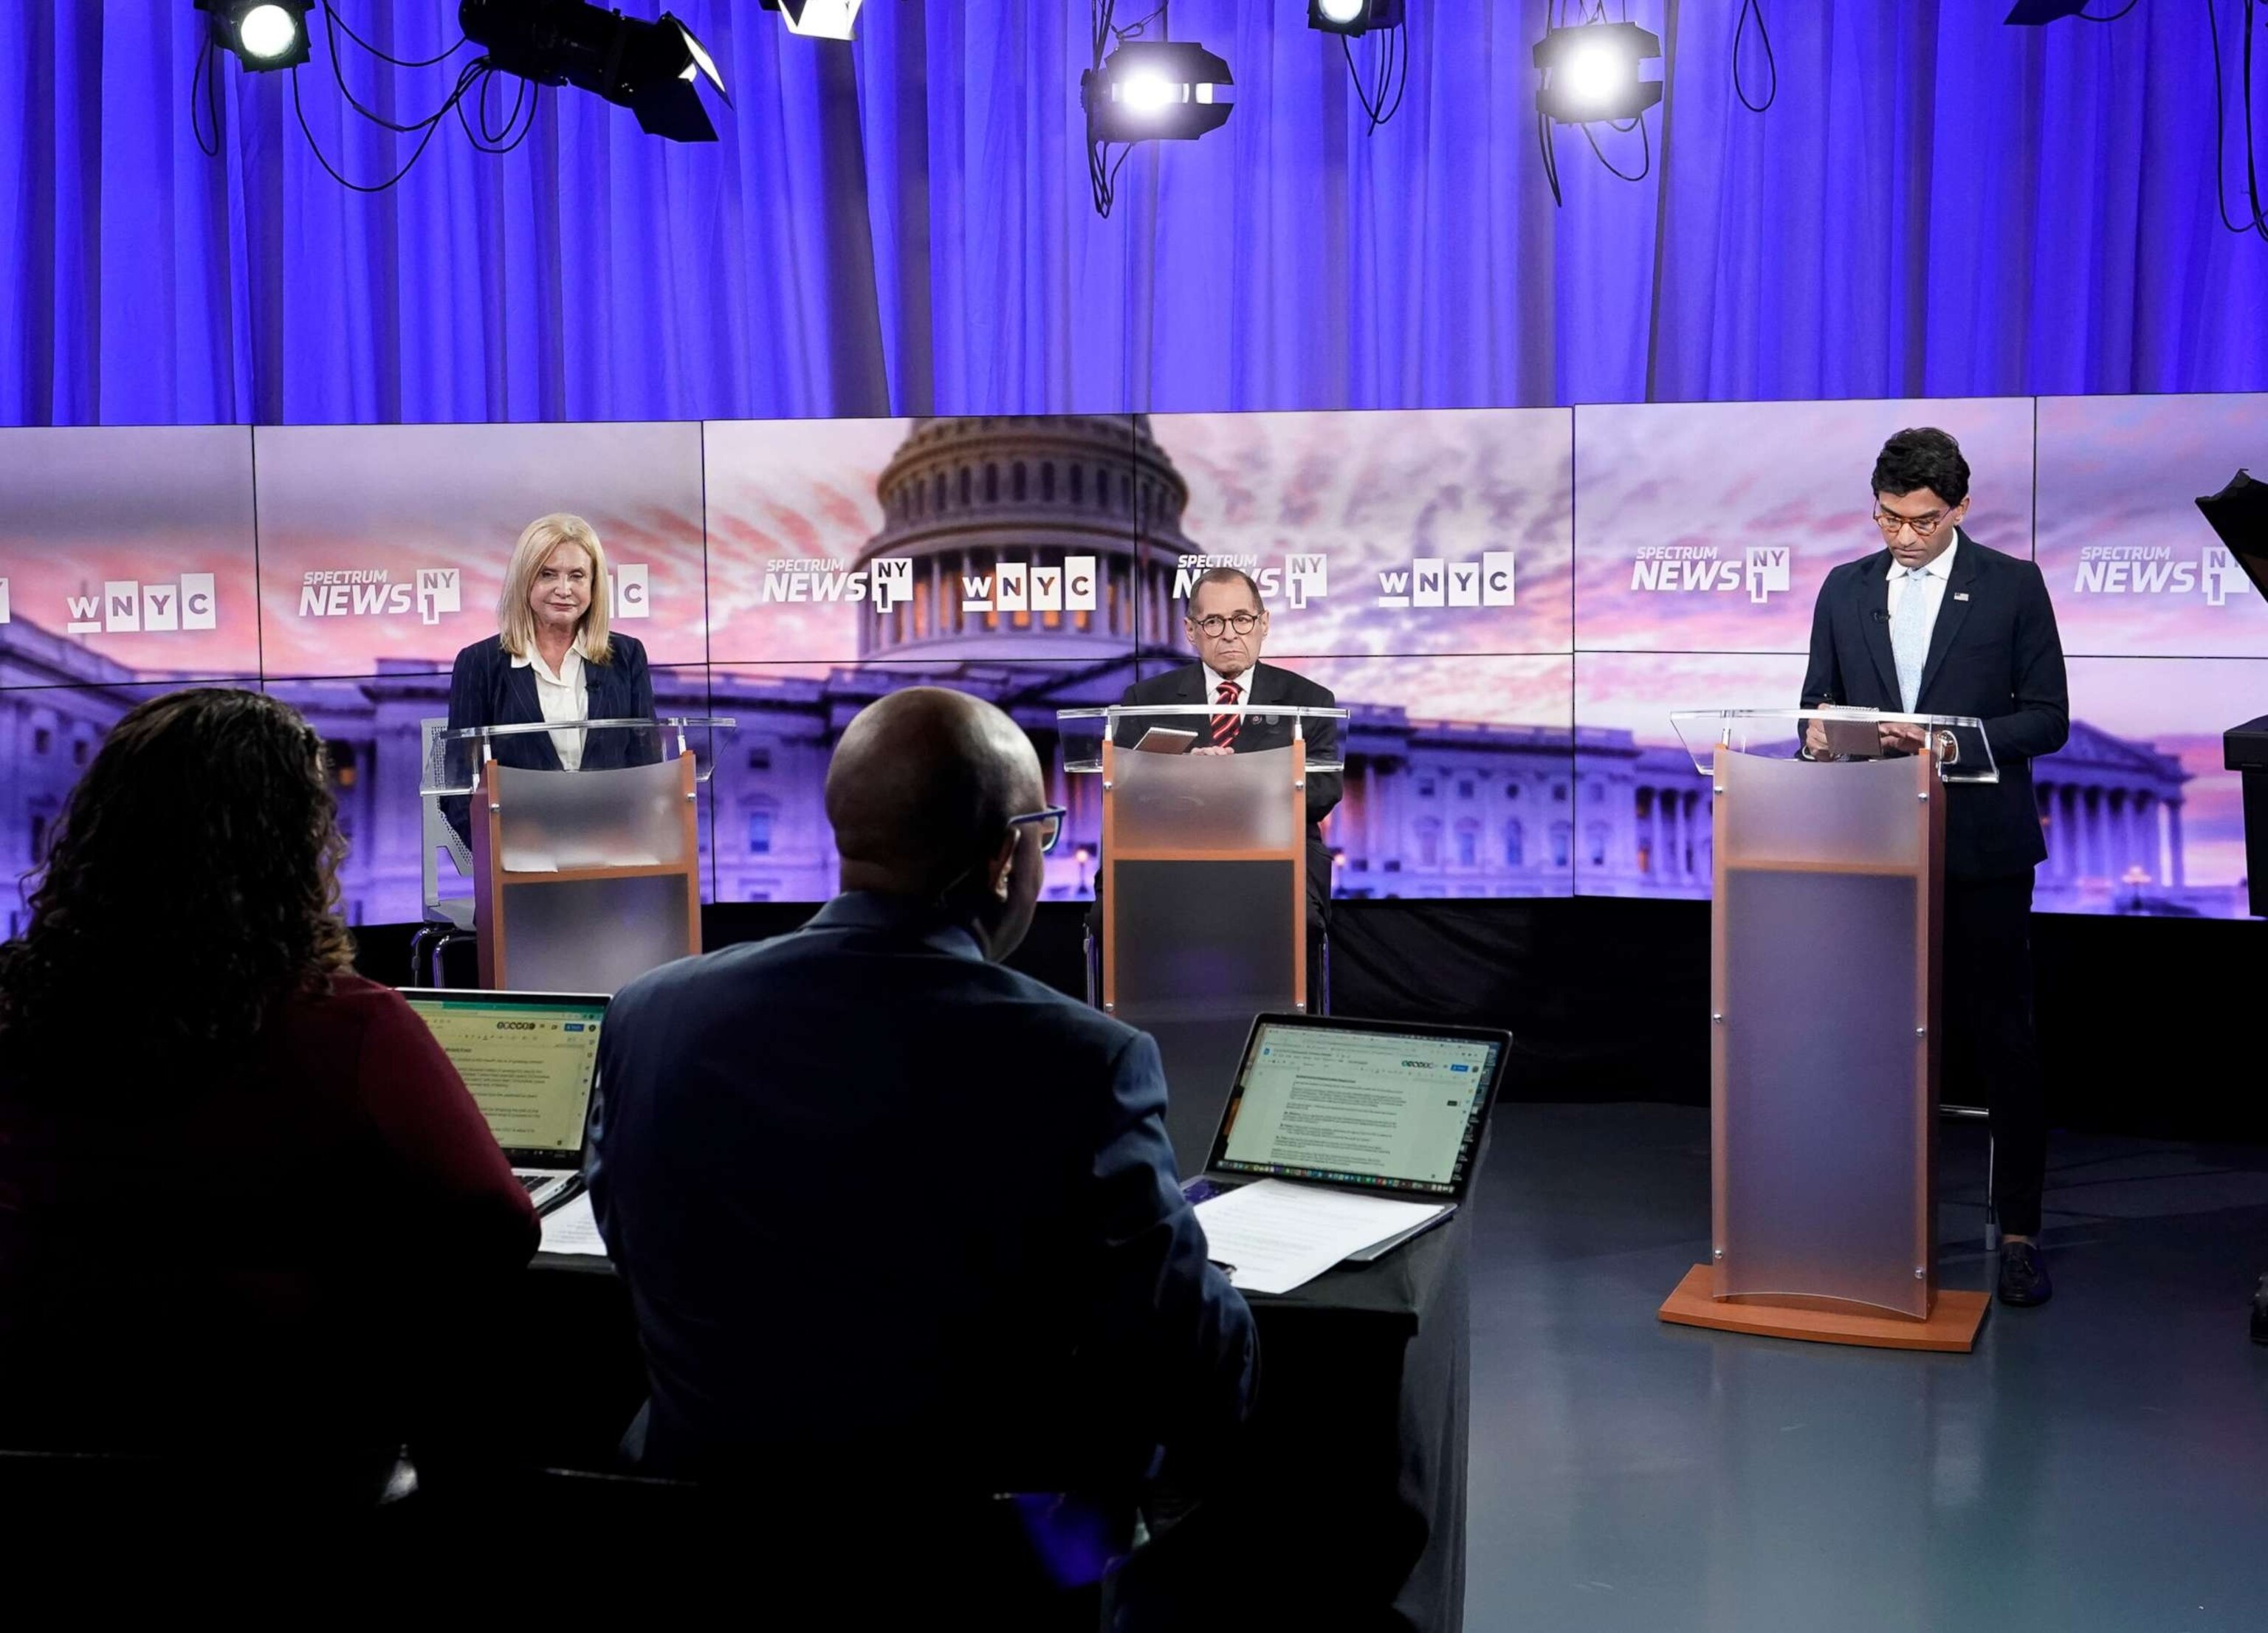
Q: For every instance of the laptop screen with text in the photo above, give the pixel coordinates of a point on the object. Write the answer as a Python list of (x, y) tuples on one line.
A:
[(1356, 1106), (528, 1060)]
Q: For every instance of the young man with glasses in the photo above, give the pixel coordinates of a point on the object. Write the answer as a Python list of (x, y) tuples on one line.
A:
[(1227, 625), (1936, 623)]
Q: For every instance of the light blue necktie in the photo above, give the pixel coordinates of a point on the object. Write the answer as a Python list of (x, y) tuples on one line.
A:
[(1909, 634)]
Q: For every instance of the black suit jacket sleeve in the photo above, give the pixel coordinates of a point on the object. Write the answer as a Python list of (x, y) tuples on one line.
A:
[(642, 747), (1168, 1331), (2040, 722), (1822, 680), (1324, 787), (467, 707)]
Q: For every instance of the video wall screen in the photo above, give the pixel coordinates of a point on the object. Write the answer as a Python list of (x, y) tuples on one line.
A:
[(1511, 604)]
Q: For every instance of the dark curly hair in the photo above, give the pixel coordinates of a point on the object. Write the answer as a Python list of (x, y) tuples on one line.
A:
[(200, 851), (1919, 457)]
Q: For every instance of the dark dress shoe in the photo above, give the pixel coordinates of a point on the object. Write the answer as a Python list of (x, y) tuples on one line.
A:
[(2024, 1275)]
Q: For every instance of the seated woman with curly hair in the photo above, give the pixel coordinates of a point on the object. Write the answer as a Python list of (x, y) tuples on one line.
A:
[(245, 1198)]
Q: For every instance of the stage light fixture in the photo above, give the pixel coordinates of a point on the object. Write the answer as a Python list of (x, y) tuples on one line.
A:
[(1591, 72), (653, 69), (1156, 91), (821, 19), (261, 34), (1353, 16)]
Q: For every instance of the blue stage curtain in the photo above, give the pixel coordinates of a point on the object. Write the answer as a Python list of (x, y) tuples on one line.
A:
[(1936, 204)]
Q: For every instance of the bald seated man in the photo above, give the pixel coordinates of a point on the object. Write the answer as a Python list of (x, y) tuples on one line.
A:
[(881, 1202)]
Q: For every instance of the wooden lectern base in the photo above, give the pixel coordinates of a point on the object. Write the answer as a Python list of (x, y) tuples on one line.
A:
[(1952, 1325)]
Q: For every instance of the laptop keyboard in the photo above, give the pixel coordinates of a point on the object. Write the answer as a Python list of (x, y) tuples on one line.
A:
[(532, 1182)]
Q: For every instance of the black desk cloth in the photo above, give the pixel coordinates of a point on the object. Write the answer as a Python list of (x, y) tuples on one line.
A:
[(1349, 1512)]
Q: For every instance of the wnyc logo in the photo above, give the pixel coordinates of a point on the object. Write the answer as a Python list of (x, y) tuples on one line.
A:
[(1432, 582), (131, 606), (1032, 587), (1702, 569), (885, 582), (2154, 570), (1300, 579)]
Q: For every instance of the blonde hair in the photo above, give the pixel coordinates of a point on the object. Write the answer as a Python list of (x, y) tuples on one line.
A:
[(515, 623)]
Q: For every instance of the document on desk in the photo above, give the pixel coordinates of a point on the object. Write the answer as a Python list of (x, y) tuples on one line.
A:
[(571, 1228), (1280, 1234)]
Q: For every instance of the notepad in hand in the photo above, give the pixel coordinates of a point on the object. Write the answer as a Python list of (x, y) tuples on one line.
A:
[(1165, 741)]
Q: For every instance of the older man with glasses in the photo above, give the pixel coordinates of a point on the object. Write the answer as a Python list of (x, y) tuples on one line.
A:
[(1936, 623), (1227, 625), (889, 1208)]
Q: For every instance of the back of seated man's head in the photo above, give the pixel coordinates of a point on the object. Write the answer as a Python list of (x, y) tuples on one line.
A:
[(920, 794)]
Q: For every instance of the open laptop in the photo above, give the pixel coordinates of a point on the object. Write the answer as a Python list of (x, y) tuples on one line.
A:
[(1388, 1108), (530, 1059)]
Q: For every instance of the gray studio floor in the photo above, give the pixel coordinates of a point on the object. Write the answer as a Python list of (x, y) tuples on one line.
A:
[(2099, 1463)]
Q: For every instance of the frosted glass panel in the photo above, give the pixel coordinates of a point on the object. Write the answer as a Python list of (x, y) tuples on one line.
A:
[(1185, 802), (1818, 1113), (1202, 948), (593, 935), (626, 818), (1846, 814)]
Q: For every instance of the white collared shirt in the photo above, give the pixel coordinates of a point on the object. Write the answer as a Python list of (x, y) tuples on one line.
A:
[(1933, 579), (562, 696)]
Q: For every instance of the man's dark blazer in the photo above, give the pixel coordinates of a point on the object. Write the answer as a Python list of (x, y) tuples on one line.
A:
[(487, 688), (1994, 654), (1267, 684), (876, 1197)]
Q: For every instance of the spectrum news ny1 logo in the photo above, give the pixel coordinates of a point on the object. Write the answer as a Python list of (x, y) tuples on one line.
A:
[(191, 603), (1071, 586), (1762, 570), (2155, 570), (433, 592)]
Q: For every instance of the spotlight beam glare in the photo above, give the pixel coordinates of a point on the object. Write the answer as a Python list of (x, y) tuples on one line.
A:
[(1597, 77), (268, 32), (1150, 93)]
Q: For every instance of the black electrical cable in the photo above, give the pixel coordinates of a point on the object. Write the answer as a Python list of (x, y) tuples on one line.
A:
[(496, 142), (2259, 221), (339, 73), (2113, 17), (1389, 79), (1755, 8), (472, 72), (1646, 148), (331, 16), (206, 71), (1551, 158)]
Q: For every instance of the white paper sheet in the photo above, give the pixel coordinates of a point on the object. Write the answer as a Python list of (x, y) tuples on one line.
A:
[(572, 1228), (1278, 1234)]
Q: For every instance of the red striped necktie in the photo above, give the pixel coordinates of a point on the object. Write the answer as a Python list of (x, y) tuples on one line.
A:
[(1220, 732)]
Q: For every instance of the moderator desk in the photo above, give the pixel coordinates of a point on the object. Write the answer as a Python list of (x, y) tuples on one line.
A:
[(1351, 1512)]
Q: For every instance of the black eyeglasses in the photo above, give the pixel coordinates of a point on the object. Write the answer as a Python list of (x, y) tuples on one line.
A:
[(1049, 822), (1214, 623)]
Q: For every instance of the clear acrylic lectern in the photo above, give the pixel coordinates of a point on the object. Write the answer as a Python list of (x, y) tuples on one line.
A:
[(1828, 880), (581, 879), (1202, 885)]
